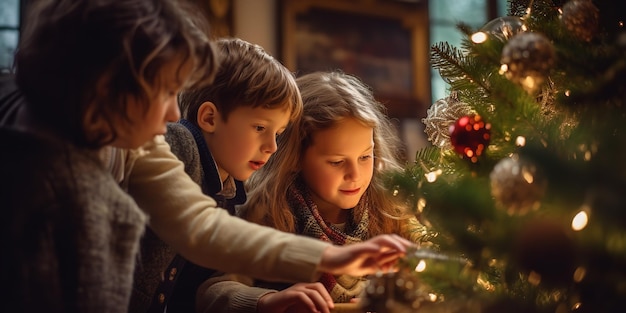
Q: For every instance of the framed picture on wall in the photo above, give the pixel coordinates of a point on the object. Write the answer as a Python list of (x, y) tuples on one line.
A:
[(219, 13), (385, 43)]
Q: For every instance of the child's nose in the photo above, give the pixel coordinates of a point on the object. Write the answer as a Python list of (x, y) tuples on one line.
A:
[(173, 112), (353, 172), (270, 145)]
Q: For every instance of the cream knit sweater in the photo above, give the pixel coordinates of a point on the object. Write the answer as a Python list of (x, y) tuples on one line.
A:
[(189, 221)]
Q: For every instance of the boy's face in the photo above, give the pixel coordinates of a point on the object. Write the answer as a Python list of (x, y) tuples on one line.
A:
[(245, 142), (338, 167), (162, 108)]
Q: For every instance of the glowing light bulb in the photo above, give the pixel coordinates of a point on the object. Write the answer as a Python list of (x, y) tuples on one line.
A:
[(421, 266), (432, 176), (432, 297), (579, 274), (579, 222), (421, 204), (503, 69), (479, 37)]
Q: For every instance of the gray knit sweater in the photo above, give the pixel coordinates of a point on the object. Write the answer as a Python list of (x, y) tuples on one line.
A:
[(69, 233)]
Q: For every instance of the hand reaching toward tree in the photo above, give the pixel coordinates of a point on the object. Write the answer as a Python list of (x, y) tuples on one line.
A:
[(379, 253)]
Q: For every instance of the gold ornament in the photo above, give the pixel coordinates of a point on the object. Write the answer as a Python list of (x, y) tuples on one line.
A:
[(527, 59)]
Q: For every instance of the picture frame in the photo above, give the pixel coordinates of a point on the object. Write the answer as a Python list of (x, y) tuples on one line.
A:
[(220, 16), (385, 43)]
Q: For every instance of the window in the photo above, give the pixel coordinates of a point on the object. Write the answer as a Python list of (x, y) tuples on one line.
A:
[(9, 32), (446, 14)]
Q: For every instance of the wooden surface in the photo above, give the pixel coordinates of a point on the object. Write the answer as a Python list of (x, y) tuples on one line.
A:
[(347, 308)]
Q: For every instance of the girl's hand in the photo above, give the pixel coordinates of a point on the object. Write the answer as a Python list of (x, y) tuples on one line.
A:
[(301, 297)]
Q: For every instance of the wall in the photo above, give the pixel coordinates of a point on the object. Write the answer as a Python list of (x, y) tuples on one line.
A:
[(257, 21)]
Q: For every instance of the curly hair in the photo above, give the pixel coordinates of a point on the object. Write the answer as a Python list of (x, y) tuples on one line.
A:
[(70, 48)]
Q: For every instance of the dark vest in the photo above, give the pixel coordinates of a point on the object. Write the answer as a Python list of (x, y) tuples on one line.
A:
[(178, 294)]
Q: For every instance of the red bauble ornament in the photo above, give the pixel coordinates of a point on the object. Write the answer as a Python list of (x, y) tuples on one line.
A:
[(470, 136)]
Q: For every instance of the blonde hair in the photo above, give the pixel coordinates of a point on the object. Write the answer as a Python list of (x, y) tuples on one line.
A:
[(329, 98)]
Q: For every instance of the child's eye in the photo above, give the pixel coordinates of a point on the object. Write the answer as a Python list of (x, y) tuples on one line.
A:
[(335, 163), (259, 128), (365, 157), (170, 92), (168, 95)]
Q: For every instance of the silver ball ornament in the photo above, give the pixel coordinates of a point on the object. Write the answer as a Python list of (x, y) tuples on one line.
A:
[(442, 114), (504, 27)]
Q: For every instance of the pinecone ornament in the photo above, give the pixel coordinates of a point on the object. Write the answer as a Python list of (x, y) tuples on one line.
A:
[(517, 185), (581, 18), (396, 292)]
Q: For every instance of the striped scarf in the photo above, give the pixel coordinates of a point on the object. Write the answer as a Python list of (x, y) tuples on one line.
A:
[(342, 288)]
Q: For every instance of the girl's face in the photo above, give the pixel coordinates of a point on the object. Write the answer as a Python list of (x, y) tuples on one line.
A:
[(338, 167), (144, 125)]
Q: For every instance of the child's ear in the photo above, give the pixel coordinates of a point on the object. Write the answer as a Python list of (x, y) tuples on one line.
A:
[(94, 125), (207, 114)]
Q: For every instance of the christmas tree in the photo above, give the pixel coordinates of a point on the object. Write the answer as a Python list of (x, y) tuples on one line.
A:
[(524, 186)]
